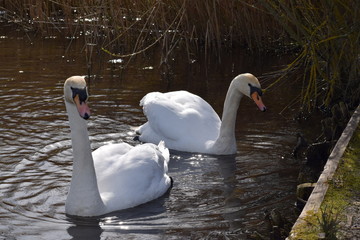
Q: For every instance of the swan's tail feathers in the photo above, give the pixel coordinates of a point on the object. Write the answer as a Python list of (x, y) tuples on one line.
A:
[(142, 101), (148, 98), (164, 150)]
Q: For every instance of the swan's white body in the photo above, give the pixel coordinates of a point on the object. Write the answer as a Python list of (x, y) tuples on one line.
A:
[(188, 123), (115, 176)]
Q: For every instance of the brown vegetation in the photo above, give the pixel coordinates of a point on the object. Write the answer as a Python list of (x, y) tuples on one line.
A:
[(328, 33), (212, 24), (324, 34)]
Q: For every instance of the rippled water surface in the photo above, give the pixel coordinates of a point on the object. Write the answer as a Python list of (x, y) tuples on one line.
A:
[(211, 194)]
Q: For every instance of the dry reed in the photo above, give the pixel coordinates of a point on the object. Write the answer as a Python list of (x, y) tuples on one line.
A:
[(211, 24), (326, 32)]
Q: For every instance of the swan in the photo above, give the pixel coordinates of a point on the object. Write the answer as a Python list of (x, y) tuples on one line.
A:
[(115, 176), (188, 123)]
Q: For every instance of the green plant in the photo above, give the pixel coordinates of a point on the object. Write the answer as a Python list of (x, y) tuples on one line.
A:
[(329, 223)]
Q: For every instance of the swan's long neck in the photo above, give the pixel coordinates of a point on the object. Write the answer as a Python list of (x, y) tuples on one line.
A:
[(83, 198), (226, 142)]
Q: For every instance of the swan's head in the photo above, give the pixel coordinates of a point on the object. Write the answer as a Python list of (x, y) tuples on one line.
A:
[(75, 92), (249, 85)]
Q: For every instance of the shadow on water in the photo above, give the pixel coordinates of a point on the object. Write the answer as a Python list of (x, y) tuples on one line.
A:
[(85, 229), (142, 221), (211, 194)]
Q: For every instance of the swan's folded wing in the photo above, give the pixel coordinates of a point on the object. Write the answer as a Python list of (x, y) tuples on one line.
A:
[(175, 114), (164, 115), (106, 156), (140, 175)]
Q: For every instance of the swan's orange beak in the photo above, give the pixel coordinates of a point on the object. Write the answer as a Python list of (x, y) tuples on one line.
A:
[(257, 99), (82, 108)]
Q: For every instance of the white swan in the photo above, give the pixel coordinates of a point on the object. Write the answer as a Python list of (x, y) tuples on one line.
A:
[(115, 176), (188, 123)]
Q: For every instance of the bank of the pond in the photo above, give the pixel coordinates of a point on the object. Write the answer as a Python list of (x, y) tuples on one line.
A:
[(333, 208)]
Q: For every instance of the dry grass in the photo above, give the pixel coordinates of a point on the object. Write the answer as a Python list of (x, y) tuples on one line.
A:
[(211, 24), (326, 32)]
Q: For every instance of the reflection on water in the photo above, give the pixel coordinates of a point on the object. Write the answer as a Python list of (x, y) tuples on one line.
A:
[(211, 193)]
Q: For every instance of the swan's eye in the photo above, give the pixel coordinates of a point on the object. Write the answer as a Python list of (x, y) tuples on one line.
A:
[(82, 93), (255, 89)]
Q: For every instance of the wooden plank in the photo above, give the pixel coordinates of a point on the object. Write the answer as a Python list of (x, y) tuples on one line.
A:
[(317, 196)]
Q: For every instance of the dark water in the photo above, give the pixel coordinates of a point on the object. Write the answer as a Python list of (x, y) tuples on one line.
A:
[(211, 195)]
